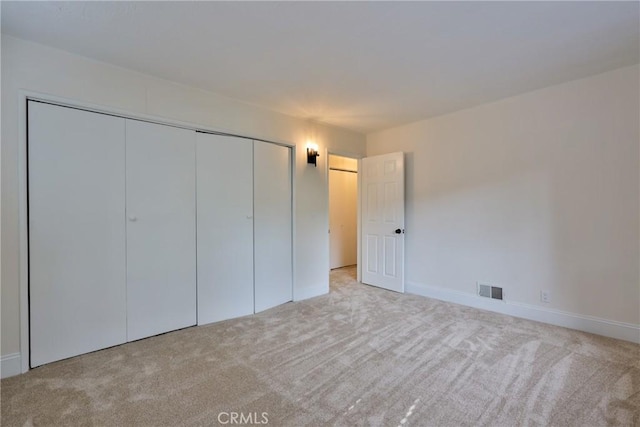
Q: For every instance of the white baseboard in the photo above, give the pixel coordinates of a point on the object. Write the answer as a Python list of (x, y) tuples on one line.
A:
[(10, 365), (594, 325), (310, 292)]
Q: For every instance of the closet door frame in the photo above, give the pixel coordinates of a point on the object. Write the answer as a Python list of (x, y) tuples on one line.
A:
[(24, 96)]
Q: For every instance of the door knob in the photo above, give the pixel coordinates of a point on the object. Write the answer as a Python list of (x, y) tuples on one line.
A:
[(133, 218), (398, 231)]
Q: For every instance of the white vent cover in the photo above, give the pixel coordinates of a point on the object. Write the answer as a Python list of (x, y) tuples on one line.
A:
[(489, 291), (484, 290)]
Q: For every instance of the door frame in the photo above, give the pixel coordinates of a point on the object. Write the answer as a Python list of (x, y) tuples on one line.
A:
[(359, 158), (23, 189)]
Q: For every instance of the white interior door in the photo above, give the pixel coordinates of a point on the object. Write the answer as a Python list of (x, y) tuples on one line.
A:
[(225, 227), (161, 229), (272, 225), (76, 232), (383, 221), (343, 218)]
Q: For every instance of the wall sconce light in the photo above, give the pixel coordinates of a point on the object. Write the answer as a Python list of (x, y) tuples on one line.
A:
[(312, 154)]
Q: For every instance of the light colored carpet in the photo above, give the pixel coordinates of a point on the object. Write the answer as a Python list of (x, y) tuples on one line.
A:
[(358, 356)]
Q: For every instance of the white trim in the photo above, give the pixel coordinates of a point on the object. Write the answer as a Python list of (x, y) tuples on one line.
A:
[(310, 292), (23, 231), (292, 161), (25, 95), (96, 108), (592, 324), (10, 365), (359, 227)]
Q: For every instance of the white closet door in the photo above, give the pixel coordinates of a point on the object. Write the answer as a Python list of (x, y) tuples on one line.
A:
[(76, 232), (272, 225), (161, 229), (225, 227)]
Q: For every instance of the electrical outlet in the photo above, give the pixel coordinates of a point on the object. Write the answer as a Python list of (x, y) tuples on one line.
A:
[(545, 297)]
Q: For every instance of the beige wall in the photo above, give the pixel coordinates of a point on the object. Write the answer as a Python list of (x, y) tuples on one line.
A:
[(41, 69), (535, 192)]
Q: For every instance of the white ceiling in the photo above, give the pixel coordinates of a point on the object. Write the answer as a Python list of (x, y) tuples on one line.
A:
[(364, 66)]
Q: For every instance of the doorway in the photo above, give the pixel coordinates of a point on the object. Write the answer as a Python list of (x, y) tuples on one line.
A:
[(343, 213)]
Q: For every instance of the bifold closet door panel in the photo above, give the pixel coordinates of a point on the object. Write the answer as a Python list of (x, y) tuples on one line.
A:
[(272, 225), (161, 229), (76, 164), (225, 227)]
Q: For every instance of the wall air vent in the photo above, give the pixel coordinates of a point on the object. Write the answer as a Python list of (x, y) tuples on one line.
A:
[(489, 291), (484, 290)]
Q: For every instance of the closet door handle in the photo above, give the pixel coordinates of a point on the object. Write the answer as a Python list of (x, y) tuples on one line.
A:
[(133, 218)]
